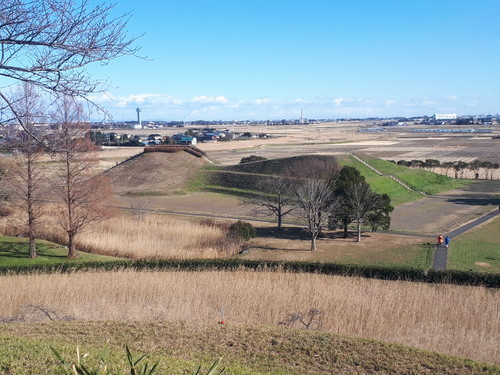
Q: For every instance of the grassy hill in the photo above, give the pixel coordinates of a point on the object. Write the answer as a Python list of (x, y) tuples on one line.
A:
[(243, 178), (181, 346), (155, 173), (419, 179)]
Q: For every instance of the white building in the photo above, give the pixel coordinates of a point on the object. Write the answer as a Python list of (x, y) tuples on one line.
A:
[(445, 116)]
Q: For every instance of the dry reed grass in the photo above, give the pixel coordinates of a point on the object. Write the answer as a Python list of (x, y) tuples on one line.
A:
[(159, 236), (144, 236), (457, 320)]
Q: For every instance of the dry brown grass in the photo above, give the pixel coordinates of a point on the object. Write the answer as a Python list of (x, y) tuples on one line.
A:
[(457, 320), (159, 237), (145, 236)]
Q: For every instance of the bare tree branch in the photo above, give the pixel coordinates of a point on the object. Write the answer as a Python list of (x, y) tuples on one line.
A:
[(48, 43)]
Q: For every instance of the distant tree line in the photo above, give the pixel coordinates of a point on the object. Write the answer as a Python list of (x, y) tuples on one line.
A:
[(459, 167)]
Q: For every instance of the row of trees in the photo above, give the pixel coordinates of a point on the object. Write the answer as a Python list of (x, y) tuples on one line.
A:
[(333, 199), (459, 167), (53, 171), (46, 46)]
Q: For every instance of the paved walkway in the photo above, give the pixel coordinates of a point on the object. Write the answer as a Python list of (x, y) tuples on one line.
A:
[(441, 252)]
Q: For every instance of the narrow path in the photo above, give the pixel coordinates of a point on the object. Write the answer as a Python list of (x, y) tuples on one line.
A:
[(440, 258), (441, 251)]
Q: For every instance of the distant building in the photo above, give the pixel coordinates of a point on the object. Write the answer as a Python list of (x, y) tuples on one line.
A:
[(445, 116), (182, 139)]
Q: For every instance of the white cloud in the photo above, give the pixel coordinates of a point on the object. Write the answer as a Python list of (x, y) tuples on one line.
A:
[(262, 101), (210, 99), (166, 107)]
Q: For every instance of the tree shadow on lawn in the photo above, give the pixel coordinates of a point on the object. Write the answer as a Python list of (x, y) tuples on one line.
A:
[(19, 250), (476, 201), (300, 234)]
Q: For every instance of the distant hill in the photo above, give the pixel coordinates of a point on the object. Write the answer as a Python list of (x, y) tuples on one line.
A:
[(154, 173)]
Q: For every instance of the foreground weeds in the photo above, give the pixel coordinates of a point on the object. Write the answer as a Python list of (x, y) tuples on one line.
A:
[(427, 316), (180, 347)]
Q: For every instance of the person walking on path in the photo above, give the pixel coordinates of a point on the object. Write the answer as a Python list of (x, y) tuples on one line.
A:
[(447, 241), (440, 240)]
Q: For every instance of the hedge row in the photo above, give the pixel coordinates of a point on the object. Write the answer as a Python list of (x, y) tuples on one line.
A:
[(383, 273), (175, 148)]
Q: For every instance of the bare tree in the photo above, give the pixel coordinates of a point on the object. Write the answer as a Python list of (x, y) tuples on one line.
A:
[(275, 199), (27, 177), (316, 202), (361, 201), (85, 198), (48, 43)]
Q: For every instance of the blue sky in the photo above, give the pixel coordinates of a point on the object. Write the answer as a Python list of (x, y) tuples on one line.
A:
[(235, 60)]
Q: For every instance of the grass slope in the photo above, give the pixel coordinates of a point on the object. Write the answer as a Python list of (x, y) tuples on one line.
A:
[(477, 250), (14, 251), (155, 173), (180, 347), (419, 179)]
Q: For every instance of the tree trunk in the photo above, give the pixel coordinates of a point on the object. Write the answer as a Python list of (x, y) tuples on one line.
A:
[(279, 221), (32, 246), (345, 224), (313, 242), (359, 231), (71, 246)]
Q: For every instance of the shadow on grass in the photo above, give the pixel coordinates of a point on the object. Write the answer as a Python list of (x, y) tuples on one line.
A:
[(18, 249), (297, 233), (483, 201)]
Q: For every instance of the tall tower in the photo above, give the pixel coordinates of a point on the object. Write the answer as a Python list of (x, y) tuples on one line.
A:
[(139, 117)]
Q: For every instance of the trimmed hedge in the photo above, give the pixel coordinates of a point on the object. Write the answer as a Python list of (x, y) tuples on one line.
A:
[(383, 273), (176, 148)]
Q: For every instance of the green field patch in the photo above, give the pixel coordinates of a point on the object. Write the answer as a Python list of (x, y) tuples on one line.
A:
[(418, 179), (382, 184), (14, 252), (417, 256), (180, 347), (477, 250)]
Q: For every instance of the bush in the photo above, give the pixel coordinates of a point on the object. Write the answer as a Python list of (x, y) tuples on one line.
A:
[(243, 230), (252, 158)]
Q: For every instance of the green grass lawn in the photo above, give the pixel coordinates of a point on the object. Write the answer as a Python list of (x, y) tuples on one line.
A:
[(382, 184), (14, 252), (419, 179), (414, 256), (477, 250), (180, 347)]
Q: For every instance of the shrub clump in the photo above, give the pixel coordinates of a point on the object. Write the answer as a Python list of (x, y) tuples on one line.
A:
[(252, 159), (243, 230)]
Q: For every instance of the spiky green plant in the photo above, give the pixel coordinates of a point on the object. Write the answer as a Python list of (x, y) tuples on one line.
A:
[(136, 367)]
